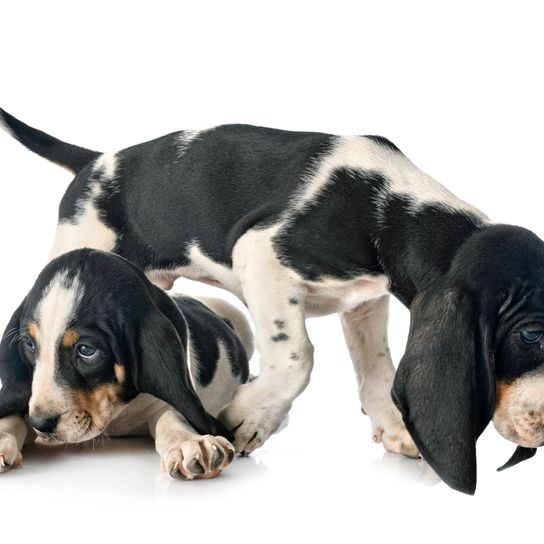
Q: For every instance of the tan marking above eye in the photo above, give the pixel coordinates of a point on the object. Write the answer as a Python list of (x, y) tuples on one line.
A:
[(32, 329), (119, 372), (70, 338)]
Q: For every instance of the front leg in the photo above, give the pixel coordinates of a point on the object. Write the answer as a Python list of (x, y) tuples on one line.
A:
[(365, 329), (185, 454), (14, 434), (275, 299)]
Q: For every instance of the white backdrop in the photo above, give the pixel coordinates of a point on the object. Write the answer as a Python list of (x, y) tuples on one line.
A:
[(456, 85)]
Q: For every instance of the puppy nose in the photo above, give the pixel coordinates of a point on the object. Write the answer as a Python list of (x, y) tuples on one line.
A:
[(45, 423)]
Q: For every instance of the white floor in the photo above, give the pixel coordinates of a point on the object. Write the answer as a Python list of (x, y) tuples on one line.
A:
[(321, 478)]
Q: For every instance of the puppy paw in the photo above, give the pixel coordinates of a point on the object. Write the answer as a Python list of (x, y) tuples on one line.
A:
[(253, 418), (10, 456), (198, 457), (391, 432)]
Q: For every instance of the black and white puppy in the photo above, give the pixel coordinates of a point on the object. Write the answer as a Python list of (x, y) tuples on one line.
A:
[(96, 348), (300, 224)]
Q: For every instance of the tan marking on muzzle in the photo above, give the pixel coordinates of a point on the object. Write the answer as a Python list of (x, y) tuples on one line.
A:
[(70, 338), (98, 404), (503, 395)]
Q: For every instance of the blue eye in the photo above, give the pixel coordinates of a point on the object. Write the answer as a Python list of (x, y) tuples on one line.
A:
[(531, 337), (86, 352), (29, 343)]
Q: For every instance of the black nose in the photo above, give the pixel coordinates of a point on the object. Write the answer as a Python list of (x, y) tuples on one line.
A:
[(45, 423)]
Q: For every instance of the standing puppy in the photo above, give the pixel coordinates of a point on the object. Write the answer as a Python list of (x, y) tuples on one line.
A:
[(298, 224), (95, 347)]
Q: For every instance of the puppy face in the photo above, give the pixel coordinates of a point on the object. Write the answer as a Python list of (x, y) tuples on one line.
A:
[(91, 335), (519, 409), (77, 382)]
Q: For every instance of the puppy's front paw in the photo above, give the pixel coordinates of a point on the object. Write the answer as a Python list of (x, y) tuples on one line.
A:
[(253, 415), (10, 456), (198, 457), (389, 429)]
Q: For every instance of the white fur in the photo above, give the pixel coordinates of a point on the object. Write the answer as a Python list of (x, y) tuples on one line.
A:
[(201, 264), (185, 138), (106, 164), (86, 229), (201, 268), (13, 433), (54, 312)]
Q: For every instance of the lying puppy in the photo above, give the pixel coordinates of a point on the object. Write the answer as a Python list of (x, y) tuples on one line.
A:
[(300, 224), (96, 348)]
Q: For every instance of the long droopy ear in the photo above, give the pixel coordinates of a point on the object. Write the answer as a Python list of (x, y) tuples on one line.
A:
[(445, 386), (161, 369), (15, 374)]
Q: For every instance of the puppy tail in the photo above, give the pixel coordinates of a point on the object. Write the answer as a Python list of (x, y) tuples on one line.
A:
[(71, 157), (234, 318)]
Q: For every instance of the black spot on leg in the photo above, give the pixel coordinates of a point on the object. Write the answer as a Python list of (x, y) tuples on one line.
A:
[(281, 337), (279, 323), (293, 300), (294, 356)]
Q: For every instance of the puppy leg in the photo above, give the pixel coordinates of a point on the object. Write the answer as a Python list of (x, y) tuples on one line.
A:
[(185, 454), (276, 302), (365, 329), (14, 433)]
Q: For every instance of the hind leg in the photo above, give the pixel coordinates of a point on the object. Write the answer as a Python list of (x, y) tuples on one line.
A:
[(365, 329)]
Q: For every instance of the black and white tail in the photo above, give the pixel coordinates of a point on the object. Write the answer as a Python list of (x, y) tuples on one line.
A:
[(71, 157)]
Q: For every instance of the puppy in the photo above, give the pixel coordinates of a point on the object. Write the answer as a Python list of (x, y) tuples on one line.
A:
[(96, 348), (299, 224)]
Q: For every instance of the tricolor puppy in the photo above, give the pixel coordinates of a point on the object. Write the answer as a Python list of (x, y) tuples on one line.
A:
[(95, 348), (300, 224)]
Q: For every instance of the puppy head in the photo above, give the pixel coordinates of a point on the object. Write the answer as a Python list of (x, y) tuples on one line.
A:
[(77, 381), (476, 352), (91, 334)]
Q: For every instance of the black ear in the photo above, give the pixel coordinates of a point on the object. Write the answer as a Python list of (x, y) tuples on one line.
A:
[(160, 365), (445, 386), (15, 374)]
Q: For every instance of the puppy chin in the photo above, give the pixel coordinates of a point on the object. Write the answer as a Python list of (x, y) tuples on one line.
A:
[(508, 430), (71, 437)]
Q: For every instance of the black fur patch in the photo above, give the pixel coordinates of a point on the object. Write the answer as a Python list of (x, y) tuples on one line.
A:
[(281, 337)]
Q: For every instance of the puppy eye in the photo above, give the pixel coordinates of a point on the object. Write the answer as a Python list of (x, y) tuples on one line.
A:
[(86, 352), (29, 343), (531, 337)]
